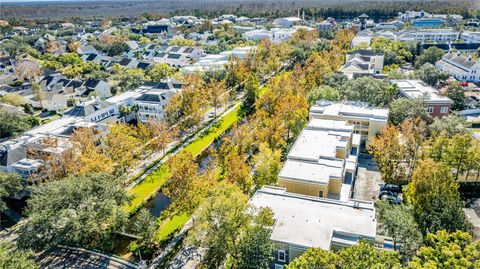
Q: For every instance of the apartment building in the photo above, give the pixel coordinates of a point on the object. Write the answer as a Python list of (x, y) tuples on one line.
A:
[(323, 160), (302, 222), (436, 35), (470, 36), (461, 67), (366, 120), (437, 105)]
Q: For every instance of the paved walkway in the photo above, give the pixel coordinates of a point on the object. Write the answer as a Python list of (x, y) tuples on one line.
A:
[(368, 180)]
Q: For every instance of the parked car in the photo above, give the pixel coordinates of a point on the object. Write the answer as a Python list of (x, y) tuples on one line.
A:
[(390, 187), (391, 198)]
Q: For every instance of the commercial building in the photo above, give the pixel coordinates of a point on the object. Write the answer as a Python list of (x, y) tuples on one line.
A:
[(302, 222), (437, 105), (461, 67), (366, 120), (323, 160)]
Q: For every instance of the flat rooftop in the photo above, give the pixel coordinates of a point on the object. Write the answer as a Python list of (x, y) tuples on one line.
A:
[(417, 89), (350, 109), (318, 173), (312, 222), (311, 145)]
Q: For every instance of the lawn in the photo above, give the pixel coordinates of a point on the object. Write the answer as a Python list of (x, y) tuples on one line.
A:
[(169, 226), (148, 187)]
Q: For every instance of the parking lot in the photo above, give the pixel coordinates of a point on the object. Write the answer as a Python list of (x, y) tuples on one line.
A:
[(368, 180)]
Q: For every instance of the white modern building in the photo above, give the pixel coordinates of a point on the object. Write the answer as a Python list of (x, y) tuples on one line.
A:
[(366, 120), (302, 222), (463, 68)]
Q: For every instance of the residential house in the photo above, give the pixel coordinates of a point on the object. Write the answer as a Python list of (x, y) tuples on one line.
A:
[(329, 23), (367, 121), (437, 105), (154, 97), (302, 222), (362, 62), (96, 87), (461, 67)]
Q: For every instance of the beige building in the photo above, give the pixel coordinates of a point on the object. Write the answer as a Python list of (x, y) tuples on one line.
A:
[(323, 160), (366, 120)]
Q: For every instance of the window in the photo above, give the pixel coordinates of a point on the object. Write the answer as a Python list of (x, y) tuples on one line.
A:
[(278, 266), (320, 193), (444, 109), (281, 256), (429, 109)]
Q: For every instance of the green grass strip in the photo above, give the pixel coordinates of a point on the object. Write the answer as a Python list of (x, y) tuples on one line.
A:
[(170, 226), (148, 187)]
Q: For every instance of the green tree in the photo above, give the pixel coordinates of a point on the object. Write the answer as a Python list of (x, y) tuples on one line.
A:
[(12, 258), (368, 89), (432, 188), (430, 55), (10, 184), (83, 210), (145, 226), (251, 88), (255, 247), (364, 255), (431, 74), (117, 48), (445, 214), (323, 92), (456, 92), (404, 108), (397, 221), (457, 152), (448, 250), (316, 258), (159, 72), (218, 222), (12, 124), (452, 125)]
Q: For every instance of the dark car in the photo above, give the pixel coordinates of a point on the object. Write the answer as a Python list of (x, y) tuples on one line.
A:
[(391, 198), (390, 188)]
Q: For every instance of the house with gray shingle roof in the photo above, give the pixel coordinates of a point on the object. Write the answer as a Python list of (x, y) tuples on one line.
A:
[(461, 67)]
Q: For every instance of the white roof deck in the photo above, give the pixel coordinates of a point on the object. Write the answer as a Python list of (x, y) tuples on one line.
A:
[(360, 110), (310, 172), (313, 144), (311, 222)]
